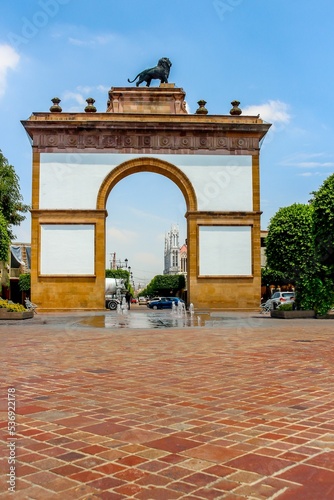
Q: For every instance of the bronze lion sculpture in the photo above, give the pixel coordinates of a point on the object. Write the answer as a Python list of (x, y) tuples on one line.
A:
[(159, 72)]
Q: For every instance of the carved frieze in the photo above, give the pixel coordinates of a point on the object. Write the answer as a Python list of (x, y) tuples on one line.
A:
[(71, 140), (126, 141), (51, 140)]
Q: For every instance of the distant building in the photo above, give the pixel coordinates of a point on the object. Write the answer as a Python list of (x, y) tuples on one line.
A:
[(175, 257), (183, 258), (264, 234), (18, 263)]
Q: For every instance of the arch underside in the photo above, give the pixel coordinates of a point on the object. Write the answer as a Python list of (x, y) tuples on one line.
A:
[(153, 165)]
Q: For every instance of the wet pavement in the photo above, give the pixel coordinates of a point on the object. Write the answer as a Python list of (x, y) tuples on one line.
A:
[(146, 319), (240, 406)]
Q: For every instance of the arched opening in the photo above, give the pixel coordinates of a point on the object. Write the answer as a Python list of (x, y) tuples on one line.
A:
[(147, 165), (140, 244), (141, 209)]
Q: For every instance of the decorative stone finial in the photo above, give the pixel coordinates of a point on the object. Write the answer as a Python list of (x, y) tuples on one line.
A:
[(202, 109), (235, 110), (55, 108), (90, 108)]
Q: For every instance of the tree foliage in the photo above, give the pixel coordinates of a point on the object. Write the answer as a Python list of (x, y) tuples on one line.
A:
[(273, 277), (24, 282), (323, 206), (300, 245), (11, 200), (119, 274), (165, 285), (315, 291), (290, 243), (4, 239)]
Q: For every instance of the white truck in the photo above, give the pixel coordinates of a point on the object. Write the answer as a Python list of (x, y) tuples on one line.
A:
[(114, 292)]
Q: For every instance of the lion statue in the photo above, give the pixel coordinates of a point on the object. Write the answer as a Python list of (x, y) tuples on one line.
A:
[(159, 72)]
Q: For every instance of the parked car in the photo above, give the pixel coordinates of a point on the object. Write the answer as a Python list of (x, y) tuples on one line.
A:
[(134, 300), (142, 301), (279, 298), (154, 299), (164, 303)]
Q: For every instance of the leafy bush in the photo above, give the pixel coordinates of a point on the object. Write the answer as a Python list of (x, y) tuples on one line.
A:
[(165, 285), (290, 242), (16, 308), (273, 277), (285, 307), (315, 292), (11, 307), (300, 245), (11, 200), (323, 218), (4, 238), (24, 282)]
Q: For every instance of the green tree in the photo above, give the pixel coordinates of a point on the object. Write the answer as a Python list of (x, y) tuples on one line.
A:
[(315, 290), (272, 277), (291, 250), (24, 282), (290, 242), (4, 239), (11, 200), (165, 285), (323, 217)]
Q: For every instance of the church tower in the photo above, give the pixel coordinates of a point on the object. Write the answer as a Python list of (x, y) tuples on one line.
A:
[(172, 251)]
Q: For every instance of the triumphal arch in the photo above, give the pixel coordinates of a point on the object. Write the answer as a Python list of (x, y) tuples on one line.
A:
[(79, 157)]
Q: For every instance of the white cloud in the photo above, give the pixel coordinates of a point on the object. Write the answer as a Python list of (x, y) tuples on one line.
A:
[(145, 216), (80, 95), (121, 235), (9, 59), (84, 90), (311, 174), (307, 160), (275, 112), (102, 88), (314, 164), (75, 96), (79, 43), (93, 41), (78, 98)]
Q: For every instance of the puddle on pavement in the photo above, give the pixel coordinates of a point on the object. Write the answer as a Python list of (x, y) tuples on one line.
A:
[(156, 319)]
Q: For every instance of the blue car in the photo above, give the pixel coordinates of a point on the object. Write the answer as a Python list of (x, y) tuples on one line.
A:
[(164, 303)]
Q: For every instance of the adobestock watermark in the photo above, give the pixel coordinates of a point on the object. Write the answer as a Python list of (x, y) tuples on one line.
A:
[(216, 184), (11, 440), (223, 7), (63, 170), (31, 26)]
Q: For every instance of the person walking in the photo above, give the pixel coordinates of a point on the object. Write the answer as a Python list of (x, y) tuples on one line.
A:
[(128, 298)]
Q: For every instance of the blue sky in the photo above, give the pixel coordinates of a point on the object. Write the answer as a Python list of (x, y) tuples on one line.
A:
[(274, 56)]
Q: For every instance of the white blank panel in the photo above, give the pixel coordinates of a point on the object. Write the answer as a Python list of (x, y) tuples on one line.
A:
[(72, 181), (69, 185), (67, 249), (226, 186), (225, 251)]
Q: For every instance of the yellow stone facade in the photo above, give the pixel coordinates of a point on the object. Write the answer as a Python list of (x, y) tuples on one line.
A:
[(144, 129)]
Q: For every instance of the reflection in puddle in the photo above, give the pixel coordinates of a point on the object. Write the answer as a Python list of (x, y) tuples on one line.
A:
[(156, 319)]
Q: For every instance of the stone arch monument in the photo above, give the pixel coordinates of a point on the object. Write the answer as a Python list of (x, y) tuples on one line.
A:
[(79, 157)]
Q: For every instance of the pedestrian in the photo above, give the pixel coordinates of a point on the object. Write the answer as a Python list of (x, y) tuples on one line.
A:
[(128, 298)]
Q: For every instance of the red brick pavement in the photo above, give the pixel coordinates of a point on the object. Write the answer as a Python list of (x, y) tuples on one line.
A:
[(242, 411)]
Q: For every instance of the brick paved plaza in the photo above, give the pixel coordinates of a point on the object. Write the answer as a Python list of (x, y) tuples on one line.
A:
[(239, 410)]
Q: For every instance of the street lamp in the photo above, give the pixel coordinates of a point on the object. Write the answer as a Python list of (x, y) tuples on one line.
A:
[(121, 265)]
